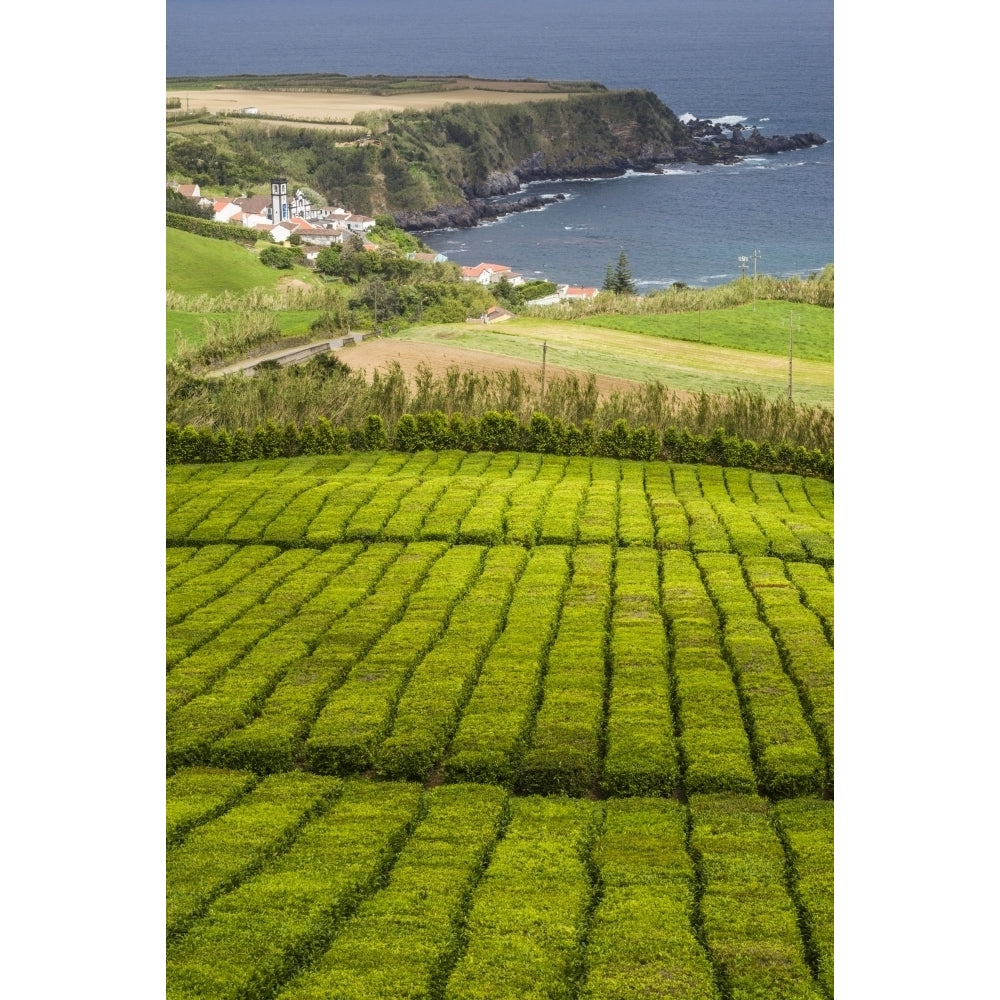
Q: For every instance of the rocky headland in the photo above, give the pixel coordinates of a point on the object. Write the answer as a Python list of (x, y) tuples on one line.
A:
[(706, 143)]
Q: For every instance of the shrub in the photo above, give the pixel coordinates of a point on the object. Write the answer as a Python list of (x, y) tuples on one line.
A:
[(375, 436), (406, 437)]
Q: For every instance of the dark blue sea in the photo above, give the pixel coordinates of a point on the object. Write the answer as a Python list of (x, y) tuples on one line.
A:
[(767, 63)]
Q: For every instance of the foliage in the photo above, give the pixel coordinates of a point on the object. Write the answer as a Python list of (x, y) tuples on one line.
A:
[(213, 230), (619, 278), (180, 204), (279, 257)]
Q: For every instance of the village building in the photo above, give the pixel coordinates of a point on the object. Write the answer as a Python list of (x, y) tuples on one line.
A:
[(488, 274)]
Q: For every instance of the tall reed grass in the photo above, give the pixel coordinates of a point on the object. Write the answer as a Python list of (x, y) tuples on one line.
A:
[(302, 394), (817, 291)]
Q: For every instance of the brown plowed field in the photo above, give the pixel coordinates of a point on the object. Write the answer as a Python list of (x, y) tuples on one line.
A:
[(374, 354)]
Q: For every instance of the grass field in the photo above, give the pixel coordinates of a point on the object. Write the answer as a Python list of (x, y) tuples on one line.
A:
[(555, 726), (639, 356), (338, 101), (762, 327), (200, 266)]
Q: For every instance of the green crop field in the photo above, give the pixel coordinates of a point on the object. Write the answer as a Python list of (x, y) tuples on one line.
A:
[(761, 326), (461, 726)]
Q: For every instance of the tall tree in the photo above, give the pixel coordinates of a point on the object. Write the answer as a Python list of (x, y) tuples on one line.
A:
[(619, 279)]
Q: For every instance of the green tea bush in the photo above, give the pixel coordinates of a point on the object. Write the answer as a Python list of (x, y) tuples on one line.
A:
[(197, 795), (529, 912), (805, 828), (642, 940), (220, 854), (497, 719), (358, 715), (565, 749), (269, 705), (749, 921), (641, 756), (431, 706), (253, 939), (403, 940)]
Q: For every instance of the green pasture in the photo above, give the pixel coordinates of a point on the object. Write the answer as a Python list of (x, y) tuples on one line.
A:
[(191, 328), (679, 364), (200, 266), (763, 327)]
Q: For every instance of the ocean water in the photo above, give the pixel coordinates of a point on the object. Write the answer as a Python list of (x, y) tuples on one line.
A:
[(766, 62)]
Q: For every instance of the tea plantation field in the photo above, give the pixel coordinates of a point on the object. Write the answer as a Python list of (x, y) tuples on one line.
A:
[(461, 726)]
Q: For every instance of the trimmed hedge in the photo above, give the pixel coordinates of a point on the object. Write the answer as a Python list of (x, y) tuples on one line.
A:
[(213, 230), (493, 432)]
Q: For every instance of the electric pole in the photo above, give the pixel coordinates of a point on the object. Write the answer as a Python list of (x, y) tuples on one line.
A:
[(545, 348), (756, 257), (743, 261), (789, 357)]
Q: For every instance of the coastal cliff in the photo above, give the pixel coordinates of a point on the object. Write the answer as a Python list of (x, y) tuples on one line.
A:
[(463, 163), (487, 153)]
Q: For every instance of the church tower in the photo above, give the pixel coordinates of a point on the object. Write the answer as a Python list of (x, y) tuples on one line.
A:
[(279, 200)]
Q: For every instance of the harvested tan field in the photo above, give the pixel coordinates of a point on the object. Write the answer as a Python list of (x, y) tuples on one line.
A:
[(343, 107), (374, 354)]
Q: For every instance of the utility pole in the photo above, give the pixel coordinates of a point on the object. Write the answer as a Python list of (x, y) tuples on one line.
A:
[(756, 257), (789, 357), (743, 261), (545, 348)]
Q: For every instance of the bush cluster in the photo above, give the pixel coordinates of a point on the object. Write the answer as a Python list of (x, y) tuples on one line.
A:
[(213, 230), (492, 432)]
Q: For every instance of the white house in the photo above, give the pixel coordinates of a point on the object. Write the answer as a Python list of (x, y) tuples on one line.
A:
[(226, 210), (359, 223), (486, 274)]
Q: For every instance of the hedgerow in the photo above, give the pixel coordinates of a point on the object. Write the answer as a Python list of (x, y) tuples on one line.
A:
[(230, 231), (496, 432)]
